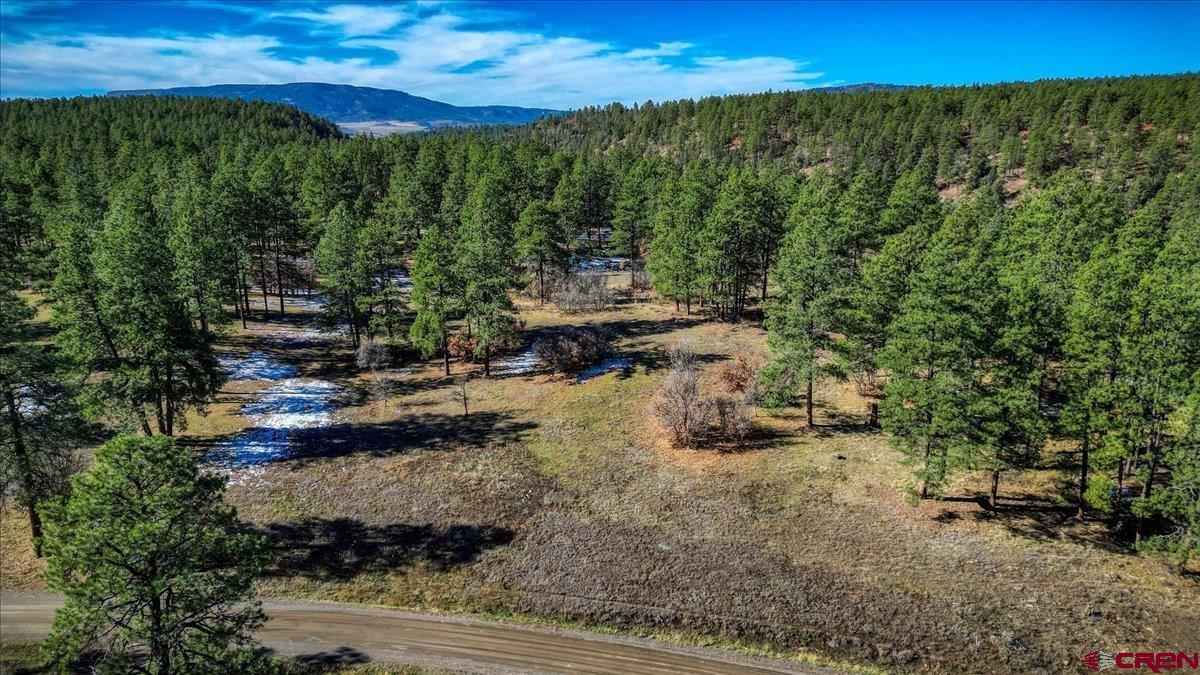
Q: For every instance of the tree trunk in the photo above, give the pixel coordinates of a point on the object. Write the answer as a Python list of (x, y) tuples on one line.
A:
[(632, 257), (170, 411), (25, 466), (541, 282), (1083, 474), (995, 488), (487, 361), (1146, 489), (160, 651), (279, 279), (808, 404), (925, 481), (262, 272)]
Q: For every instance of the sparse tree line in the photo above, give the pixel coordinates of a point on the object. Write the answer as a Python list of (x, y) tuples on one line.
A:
[(984, 328)]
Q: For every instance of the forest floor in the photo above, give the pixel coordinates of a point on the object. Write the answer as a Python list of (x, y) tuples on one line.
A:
[(560, 500)]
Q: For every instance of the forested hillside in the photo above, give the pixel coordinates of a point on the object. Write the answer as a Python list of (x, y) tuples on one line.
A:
[(1000, 270), (963, 133)]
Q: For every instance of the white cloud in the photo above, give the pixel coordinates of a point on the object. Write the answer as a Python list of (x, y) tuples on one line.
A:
[(443, 55), (351, 20)]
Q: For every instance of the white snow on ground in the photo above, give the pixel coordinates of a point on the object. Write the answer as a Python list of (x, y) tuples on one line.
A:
[(615, 363), (399, 277), (288, 405), (25, 403), (604, 264), (255, 366), (280, 409), (521, 364), (314, 303)]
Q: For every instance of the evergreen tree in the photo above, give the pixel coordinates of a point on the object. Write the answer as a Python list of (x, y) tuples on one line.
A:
[(909, 221), (486, 258), (678, 228), (437, 291), (932, 399), (810, 274), (164, 364), (1160, 355), (343, 281), (204, 259), (153, 565), (542, 242), (632, 212), (40, 427)]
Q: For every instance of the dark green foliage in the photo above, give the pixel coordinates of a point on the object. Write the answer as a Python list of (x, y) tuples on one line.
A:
[(933, 399), (153, 565)]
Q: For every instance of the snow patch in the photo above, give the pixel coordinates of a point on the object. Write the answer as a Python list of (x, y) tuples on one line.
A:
[(521, 364), (287, 406), (255, 366), (610, 263), (608, 365)]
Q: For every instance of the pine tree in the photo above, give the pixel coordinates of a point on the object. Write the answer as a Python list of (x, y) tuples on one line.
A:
[(343, 281), (204, 259), (909, 221), (154, 566), (542, 242), (164, 365), (811, 274), (378, 252), (679, 221), (1160, 354), (633, 207), (40, 427), (276, 223), (487, 255), (729, 256), (414, 195), (932, 398), (437, 291)]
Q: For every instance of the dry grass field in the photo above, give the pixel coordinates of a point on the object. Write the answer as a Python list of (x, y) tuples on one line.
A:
[(561, 501)]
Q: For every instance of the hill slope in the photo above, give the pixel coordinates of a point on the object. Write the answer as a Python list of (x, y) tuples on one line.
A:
[(345, 103)]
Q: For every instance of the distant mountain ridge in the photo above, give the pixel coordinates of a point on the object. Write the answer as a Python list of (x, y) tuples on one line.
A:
[(344, 103)]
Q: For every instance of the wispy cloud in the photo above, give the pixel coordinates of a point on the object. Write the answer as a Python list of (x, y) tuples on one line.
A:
[(350, 20), (443, 52)]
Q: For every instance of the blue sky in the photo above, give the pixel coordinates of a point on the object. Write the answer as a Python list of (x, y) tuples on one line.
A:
[(565, 54)]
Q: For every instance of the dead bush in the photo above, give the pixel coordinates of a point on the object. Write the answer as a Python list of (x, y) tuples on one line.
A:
[(736, 375), (462, 347), (372, 355), (733, 417), (682, 408), (682, 356), (587, 292), (574, 348)]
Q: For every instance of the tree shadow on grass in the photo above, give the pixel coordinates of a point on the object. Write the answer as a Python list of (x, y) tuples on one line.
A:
[(427, 431), (331, 661), (1041, 519), (342, 548)]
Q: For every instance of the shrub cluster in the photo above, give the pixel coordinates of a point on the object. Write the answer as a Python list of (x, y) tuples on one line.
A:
[(574, 348), (692, 416), (587, 292)]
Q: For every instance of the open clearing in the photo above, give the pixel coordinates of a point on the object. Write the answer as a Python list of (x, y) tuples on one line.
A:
[(557, 498)]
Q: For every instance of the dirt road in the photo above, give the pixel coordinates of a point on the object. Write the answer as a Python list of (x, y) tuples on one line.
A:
[(321, 633)]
